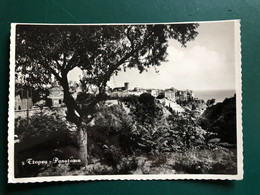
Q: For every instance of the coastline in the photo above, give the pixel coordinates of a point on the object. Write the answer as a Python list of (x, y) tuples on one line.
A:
[(218, 95)]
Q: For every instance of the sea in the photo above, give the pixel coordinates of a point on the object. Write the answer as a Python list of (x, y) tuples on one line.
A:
[(218, 95)]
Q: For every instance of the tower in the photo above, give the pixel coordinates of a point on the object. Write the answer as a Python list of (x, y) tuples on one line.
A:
[(126, 85)]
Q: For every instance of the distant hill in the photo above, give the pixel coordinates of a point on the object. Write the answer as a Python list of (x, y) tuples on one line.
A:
[(221, 119)]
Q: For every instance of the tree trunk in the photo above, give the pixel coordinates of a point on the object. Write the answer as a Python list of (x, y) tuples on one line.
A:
[(75, 115), (82, 144)]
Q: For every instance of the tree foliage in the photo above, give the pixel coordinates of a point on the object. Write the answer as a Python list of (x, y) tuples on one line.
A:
[(146, 98), (221, 119), (99, 50), (43, 131)]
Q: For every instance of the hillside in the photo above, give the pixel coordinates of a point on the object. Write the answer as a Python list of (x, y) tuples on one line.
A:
[(132, 135), (221, 119)]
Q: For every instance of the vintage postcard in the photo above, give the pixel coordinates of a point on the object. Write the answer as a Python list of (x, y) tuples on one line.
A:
[(125, 102)]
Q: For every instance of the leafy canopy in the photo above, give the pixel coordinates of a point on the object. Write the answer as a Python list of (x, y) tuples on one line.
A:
[(99, 50)]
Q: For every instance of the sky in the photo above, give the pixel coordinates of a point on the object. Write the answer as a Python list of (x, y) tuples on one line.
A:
[(207, 63)]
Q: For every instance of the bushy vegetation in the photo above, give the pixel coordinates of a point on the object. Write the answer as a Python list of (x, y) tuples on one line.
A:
[(142, 136), (42, 137), (43, 131), (143, 109), (118, 134), (216, 160), (192, 104), (134, 135), (221, 120)]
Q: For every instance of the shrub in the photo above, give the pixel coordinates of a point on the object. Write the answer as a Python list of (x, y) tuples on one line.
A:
[(42, 137), (113, 127), (146, 98), (43, 131), (205, 161)]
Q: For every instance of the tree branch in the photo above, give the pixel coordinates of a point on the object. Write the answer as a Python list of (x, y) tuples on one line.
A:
[(74, 60), (129, 38), (64, 60), (45, 64), (58, 64)]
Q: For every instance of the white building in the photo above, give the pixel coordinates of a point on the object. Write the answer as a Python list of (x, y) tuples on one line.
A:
[(170, 95), (55, 98)]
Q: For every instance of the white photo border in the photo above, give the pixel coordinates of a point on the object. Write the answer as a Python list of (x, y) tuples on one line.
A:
[(11, 117)]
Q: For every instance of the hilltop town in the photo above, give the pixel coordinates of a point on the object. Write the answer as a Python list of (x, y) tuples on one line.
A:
[(27, 103)]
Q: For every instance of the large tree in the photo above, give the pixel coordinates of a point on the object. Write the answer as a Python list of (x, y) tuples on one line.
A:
[(99, 50)]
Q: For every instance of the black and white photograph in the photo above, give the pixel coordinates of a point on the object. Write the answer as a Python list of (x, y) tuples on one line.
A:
[(125, 101)]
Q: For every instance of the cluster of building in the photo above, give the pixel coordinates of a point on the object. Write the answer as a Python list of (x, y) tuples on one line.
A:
[(23, 98), (54, 98), (124, 91), (171, 94)]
